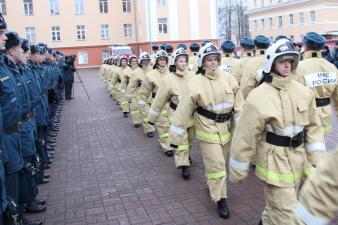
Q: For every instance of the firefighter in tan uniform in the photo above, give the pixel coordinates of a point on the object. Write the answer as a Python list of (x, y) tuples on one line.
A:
[(126, 75), (228, 60), (119, 74), (253, 70), (193, 58), (103, 68), (280, 129), (155, 49), (148, 90), (214, 99), (319, 75), (318, 200), (171, 90), (137, 77), (114, 79), (109, 74), (248, 46)]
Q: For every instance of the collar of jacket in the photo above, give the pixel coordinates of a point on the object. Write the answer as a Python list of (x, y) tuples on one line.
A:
[(181, 73), (163, 69), (212, 74), (312, 54), (260, 51), (248, 54), (280, 82)]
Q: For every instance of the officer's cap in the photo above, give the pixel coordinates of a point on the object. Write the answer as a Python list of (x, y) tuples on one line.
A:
[(49, 50), (3, 24), (247, 43), (314, 41), (228, 46), (169, 48), (13, 40), (35, 49), (181, 45), (194, 47), (25, 45), (279, 37), (262, 42), (205, 42), (155, 47), (163, 46)]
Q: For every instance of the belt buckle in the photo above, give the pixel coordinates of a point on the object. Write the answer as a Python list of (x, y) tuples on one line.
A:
[(220, 118)]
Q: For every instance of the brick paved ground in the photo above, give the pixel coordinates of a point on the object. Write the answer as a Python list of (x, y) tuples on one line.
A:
[(106, 172)]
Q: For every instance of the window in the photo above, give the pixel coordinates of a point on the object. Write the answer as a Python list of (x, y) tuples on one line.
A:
[(262, 3), (54, 7), (56, 34), (280, 21), (80, 32), (255, 3), (30, 34), (104, 31), (270, 22), (78, 6), (28, 7), (162, 25), (290, 19), (262, 23), (3, 7), (301, 18), (103, 6), (82, 57), (162, 2), (255, 25), (105, 55), (312, 16), (128, 30), (126, 5)]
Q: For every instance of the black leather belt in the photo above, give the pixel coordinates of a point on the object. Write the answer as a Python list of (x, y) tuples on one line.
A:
[(286, 141), (153, 95), (173, 105), (25, 117), (218, 118), (13, 129), (320, 102)]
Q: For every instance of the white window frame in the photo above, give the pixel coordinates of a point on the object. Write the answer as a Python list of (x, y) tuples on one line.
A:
[(280, 21), (255, 25), (104, 31), (262, 24), (313, 16), (105, 55), (270, 22), (162, 2), (128, 30), (30, 34), (126, 6), (103, 6), (54, 7), (82, 57), (80, 32), (28, 8), (291, 19), (3, 7), (78, 7), (56, 33), (162, 25), (301, 18)]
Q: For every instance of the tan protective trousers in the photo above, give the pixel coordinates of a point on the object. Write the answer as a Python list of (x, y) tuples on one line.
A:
[(144, 110), (182, 153), (162, 126), (215, 157), (124, 102), (135, 112), (280, 203)]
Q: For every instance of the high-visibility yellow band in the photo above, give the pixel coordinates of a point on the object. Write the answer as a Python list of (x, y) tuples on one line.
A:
[(164, 135), (327, 129), (284, 178), (309, 171), (215, 176), (183, 148), (213, 137), (124, 103), (135, 111)]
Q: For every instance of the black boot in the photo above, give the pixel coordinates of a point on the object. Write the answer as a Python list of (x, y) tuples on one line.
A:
[(136, 125), (185, 172), (190, 160), (222, 208), (34, 207), (26, 221), (260, 222), (169, 153), (150, 134), (125, 114)]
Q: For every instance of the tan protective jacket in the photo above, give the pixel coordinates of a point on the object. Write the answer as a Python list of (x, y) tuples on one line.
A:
[(252, 73), (102, 71), (193, 60), (137, 77), (126, 75), (170, 89), (215, 91), (321, 76), (151, 83), (283, 107), (318, 202), (237, 70), (227, 64)]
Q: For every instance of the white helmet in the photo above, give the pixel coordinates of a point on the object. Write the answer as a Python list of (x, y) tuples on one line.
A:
[(143, 56), (179, 52), (208, 49), (123, 57), (282, 49), (161, 53)]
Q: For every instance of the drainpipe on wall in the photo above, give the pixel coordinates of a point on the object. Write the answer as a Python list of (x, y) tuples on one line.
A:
[(136, 27)]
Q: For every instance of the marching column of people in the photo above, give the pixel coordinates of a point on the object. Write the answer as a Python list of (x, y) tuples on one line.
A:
[(270, 108), (31, 95)]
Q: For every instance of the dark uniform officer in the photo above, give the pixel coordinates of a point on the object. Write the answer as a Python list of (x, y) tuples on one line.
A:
[(181, 45), (68, 76), (228, 60)]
